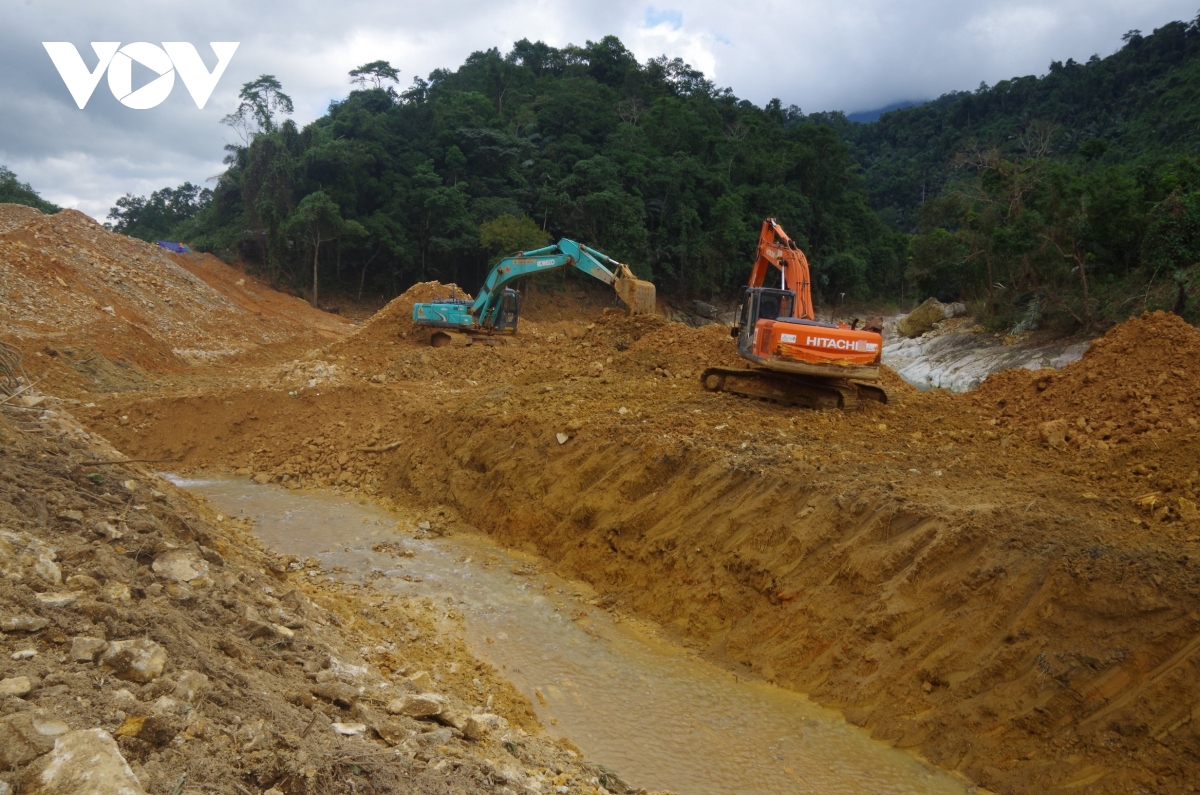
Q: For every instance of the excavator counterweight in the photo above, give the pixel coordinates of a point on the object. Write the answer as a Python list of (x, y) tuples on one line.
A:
[(799, 360)]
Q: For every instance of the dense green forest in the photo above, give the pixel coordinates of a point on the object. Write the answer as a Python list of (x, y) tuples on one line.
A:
[(1072, 198), (650, 163), (13, 191)]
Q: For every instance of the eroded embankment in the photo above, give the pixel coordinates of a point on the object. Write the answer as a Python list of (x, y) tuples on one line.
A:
[(948, 582), (150, 645)]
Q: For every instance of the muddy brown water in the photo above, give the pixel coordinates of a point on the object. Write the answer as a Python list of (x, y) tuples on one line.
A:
[(643, 707)]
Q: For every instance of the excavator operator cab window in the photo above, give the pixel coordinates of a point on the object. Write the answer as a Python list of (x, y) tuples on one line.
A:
[(776, 304), (759, 303), (510, 310), (764, 304)]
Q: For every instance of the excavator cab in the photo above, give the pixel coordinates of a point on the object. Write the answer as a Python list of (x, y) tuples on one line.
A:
[(758, 303), (797, 359), (509, 311)]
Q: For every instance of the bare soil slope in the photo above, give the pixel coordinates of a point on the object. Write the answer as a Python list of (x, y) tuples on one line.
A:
[(98, 311), (945, 569), (129, 610)]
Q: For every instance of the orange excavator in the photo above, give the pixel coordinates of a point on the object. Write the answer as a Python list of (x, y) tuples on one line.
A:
[(800, 360)]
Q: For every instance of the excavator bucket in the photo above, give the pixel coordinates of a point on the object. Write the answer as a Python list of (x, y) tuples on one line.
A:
[(637, 294)]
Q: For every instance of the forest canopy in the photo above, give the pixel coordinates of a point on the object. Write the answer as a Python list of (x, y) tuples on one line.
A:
[(1055, 198)]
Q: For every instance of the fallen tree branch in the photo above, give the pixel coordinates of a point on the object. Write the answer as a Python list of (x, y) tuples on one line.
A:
[(383, 448), (28, 386)]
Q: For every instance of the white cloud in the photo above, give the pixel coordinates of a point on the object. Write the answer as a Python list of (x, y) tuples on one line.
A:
[(697, 48), (818, 54)]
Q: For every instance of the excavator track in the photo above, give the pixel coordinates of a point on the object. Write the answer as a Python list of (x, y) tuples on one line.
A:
[(792, 390), (445, 338)]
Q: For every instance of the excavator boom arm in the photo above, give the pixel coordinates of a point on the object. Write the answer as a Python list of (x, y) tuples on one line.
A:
[(777, 250), (489, 311), (562, 254)]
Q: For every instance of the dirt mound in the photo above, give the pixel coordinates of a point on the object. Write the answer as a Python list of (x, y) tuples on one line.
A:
[(14, 215), (130, 612), (1138, 380), (69, 283), (394, 321), (1023, 614)]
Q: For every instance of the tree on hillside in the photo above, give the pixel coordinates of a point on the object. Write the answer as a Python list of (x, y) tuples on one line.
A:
[(506, 234), (318, 220), (13, 191), (649, 162), (261, 100), (161, 215), (377, 73)]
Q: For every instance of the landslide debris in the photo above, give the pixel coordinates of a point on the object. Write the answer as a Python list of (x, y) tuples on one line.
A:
[(948, 580), (1016, 601), (1137, 381), (99, 310), (394, 321), (147, 645)]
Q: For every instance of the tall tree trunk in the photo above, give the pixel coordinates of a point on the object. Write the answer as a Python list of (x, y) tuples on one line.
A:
[(1081, 258), (316, 253), (991, 287)]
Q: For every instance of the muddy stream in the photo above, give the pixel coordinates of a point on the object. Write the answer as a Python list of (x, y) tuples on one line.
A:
[(645, 708)]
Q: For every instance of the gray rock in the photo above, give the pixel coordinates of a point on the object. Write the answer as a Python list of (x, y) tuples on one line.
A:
[(84, 762), (26, 736), (23, 624), (85, 649), (106, 530), (18, 686), (180, 565), (47, 570), (477, 727), (419, 705), (71, 516), (138, 660), (349, 729), (435, 737), (960, 361), (63, 599), (190, 686)]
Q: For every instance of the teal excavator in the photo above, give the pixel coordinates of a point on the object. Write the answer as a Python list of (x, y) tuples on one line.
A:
[(496, 309)]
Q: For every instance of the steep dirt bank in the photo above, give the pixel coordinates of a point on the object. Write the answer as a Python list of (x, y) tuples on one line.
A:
[(95, 311), (129, 611), (947, 570)]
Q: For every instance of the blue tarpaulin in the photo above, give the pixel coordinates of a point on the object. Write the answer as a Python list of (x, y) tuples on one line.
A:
[(178, 248)]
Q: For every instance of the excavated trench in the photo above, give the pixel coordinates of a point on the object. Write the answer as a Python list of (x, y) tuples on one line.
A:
[(1007, 582), (951, 598), (632, 702)]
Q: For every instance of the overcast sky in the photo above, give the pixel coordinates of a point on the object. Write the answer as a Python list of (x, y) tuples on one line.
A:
[(819, 54)]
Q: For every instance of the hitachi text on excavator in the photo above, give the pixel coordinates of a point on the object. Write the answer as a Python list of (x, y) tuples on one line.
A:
[(799, 360)]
